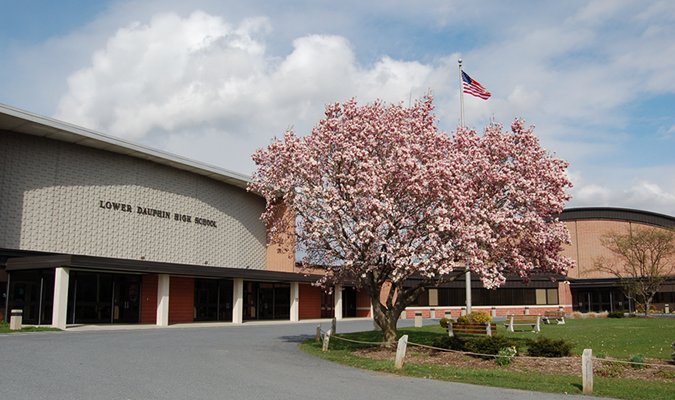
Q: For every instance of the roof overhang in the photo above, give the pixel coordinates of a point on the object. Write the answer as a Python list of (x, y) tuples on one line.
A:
[(21, 121), (148, 267)]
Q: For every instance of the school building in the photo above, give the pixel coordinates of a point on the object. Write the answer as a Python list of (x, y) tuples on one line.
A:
[(95, 229)]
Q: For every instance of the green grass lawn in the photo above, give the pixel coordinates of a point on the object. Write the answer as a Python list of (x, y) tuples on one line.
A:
[(618, 338), (4, 328)]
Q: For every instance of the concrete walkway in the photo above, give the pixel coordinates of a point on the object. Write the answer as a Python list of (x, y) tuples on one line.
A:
[(205, 361)]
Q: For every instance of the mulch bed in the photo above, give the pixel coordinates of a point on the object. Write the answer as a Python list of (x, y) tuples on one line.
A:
[(664, 370)]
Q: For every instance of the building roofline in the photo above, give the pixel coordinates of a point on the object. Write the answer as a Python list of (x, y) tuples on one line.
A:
[(620, 214), (25, 122), (95, 263)]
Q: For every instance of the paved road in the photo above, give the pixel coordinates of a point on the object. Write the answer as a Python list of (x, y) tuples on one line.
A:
[(250, 361)]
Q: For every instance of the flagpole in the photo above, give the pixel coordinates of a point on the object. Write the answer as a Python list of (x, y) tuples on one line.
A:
[(461, 106), (461, 93)]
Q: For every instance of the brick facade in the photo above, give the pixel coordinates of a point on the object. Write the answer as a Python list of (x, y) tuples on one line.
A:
[(310, 301), (149, 299), (181, 299)]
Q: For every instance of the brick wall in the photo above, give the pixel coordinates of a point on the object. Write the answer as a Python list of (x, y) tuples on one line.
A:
[(181, 299), (362, 304), (149, 299), (310, 301)]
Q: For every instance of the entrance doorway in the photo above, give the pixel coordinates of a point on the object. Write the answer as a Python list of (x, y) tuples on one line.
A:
[(97, 298), (213, 300), (264, 300)]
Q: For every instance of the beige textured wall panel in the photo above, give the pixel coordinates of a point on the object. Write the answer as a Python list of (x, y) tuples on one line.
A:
[(51, 197)]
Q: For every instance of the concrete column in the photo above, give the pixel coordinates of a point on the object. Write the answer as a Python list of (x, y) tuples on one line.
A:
[(238, 302), (295, 301), (338, 302), (60, 307), (163, 282)]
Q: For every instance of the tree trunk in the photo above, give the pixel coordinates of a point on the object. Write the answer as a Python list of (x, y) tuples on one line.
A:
[(388, 326)]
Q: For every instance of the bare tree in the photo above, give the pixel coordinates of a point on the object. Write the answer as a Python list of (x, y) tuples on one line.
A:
[(643, 259)]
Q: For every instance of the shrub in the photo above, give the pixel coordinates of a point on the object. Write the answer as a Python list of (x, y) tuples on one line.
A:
[(507, 354), (673, 355), (616, 314), (603, 314), (449, 342), (476, 316), (444, 322), (547, 347), (666, 374), (577, 315), (489, 344), (640, 308), (611, 370), (637, 361), (591, 315)]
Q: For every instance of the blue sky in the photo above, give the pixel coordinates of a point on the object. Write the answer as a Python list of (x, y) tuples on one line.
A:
[(214, 80)]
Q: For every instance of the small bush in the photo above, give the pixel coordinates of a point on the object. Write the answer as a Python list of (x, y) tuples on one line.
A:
[(616, 314), (637, 361), (673, 355), (444, 322), (632, 315), (611, 370), (666, 374), (476, 317), (577, 315), (640, 308), (489, 344), (448, 342), (547, 347), (603, 314), (591, 315), (507, 354)]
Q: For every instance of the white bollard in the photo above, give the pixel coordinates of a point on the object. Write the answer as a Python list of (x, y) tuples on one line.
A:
[(587, 370), (326, 339), (15, 320), (418, 319), (400, 351), (333, 326), (318, 333)]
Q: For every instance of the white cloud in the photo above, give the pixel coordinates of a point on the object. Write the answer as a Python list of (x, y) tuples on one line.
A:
[(177, 76), (629, 190), (217, 84)]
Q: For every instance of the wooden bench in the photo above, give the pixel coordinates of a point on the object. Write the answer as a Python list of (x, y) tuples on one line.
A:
[(476, 328), (557, 315), (527, 320)]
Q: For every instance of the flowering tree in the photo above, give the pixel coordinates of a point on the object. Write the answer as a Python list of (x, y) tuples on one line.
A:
[(380, 195)]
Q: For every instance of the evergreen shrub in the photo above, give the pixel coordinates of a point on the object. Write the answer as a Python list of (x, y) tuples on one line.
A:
[(547, 347), (489, 344), (449, 342)]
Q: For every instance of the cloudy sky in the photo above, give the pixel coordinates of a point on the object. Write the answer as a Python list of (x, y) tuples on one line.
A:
[(215, 79)]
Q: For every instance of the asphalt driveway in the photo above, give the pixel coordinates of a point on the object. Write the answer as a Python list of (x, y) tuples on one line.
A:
[(250, 361)]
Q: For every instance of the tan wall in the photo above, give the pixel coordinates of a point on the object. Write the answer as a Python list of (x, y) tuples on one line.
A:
[(587, 245), (282, 261), (52, 193)]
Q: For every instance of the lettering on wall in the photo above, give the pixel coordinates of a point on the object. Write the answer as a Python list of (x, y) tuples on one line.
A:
[(152, 212)]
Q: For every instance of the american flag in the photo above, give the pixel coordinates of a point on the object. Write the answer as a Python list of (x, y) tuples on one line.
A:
[(474, 88)]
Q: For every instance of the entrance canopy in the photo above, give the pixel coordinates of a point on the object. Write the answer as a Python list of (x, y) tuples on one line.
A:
[(148, 267)]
